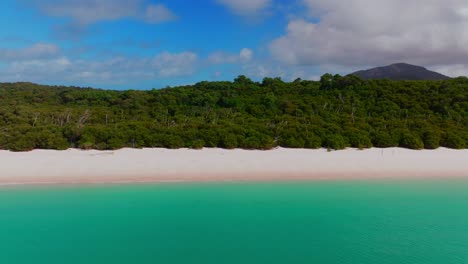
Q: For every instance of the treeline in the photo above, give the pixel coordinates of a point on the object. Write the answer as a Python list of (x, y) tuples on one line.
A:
[(334, 113)]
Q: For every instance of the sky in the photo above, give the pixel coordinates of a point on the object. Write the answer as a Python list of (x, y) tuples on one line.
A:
[(145, 44)]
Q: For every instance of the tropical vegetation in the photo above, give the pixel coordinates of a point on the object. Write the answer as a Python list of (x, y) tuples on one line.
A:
[(335, 113)]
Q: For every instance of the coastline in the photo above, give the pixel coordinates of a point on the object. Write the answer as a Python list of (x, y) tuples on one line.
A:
[(50, 167)]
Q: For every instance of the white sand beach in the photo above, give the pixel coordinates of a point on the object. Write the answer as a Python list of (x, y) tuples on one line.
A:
[(163, 165)]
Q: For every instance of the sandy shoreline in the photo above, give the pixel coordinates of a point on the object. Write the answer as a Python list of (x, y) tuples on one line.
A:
[(183, 165)]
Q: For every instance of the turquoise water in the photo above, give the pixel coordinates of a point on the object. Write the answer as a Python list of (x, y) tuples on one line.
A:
[(304, 222)]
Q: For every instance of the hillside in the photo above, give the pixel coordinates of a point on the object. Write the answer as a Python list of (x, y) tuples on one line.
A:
[(400, 71), (335, 113)]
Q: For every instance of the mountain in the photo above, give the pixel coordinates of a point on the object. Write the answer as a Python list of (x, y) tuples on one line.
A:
[(400, 71)]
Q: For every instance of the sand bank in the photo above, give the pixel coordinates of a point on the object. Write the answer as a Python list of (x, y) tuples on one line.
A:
[(164, 165)]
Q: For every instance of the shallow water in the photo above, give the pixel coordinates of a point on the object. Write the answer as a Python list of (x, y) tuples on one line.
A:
[(302, 222)]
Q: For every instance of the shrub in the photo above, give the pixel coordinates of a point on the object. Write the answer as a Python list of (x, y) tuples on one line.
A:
[(384, 140), (313, 142), (411, 141), (229, 141), (431, 140), (335, 142), (453, 141), (197, 144)]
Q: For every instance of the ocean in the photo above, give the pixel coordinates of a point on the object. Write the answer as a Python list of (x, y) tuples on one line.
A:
[(359, 222)]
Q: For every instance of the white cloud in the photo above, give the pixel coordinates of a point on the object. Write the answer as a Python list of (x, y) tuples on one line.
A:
[(85, 12), (169, 64), (110, 71), (36, 51), (245, 55), (454, 70), (220, 57), (376, 32), (22, 70), (216, 74), (158, 14), (245, 7), (264, 69)]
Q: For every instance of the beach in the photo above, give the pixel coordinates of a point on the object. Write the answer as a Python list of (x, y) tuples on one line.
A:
[(75, 166)]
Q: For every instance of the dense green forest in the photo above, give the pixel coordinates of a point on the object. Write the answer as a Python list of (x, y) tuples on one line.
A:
[(335, 112)]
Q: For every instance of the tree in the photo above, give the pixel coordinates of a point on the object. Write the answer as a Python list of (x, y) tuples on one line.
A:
[(382, 139), (453, 140), (243, 80), (411, 140), (334, 141), (431, 139), (335, 113)]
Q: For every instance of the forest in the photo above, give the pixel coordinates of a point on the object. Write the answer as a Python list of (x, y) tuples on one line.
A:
[(334, 113)]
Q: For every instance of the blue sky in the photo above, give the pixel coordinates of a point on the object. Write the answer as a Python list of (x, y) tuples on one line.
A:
[(143, 44)]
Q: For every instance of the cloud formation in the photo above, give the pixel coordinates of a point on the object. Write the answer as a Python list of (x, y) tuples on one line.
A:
[(36, 51), (245, 7), (158, 13), (86, 12), (48, 67), (376, 32), (245, 55)]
